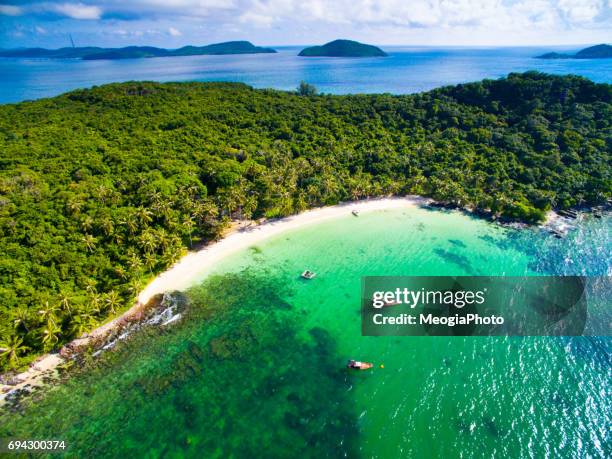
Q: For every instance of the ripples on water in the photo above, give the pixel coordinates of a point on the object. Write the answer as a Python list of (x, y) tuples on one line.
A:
[(407, 70), (256, 368)]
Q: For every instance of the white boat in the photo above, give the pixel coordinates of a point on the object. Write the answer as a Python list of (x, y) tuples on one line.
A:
[(308, 275)]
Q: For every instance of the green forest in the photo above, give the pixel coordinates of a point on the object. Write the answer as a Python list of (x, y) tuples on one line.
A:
[(100, 189)]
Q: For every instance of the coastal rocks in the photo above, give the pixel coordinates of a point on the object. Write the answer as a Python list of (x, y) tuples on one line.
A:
[(161, 310)]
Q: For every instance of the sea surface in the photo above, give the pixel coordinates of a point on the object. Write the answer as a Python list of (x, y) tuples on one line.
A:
[(406, 70), (256, 366)]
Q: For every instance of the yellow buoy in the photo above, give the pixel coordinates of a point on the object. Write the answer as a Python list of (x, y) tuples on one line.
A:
[(382, 366)]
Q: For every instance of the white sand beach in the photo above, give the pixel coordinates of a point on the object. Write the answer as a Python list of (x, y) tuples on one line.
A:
[(194, 266)]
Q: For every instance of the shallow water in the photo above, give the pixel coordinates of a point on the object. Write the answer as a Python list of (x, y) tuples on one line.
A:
[(256, 367), (406, 70)]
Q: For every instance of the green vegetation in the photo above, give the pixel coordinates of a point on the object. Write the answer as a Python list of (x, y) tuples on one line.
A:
[(305, 89), (343, 48), (593, 52), (100, 189), (135, 52)]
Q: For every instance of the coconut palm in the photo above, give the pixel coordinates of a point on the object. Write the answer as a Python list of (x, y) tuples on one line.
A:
[(65, 302), (48, 313), (131, 223), (107, 226), (74, 206), (87, 223), (11, 349), (147, 241), (20, 317), (90, 242), (50, 335), (90, 285), (150, 261), (144, 215), (134, 262), (188, 224), (112, 301)]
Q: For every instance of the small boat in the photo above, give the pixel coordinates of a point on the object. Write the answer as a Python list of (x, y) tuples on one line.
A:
[(355, 213), (356, 365), (308, 275)]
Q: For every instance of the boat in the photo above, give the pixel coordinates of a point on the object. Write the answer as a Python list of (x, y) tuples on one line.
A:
[(355, 213), (356, 365), (308, 275)]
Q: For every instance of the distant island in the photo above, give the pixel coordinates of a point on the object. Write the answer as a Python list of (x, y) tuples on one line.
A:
[(135, 52), (343, 48), (593, 52)]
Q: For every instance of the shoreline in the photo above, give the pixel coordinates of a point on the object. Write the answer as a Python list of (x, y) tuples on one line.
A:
[(193, 267)]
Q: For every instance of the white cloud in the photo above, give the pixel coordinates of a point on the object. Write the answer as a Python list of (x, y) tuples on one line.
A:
[(312, 21), (578, 11), (10, 10), (426, 13), (77, 10), (174, 32)]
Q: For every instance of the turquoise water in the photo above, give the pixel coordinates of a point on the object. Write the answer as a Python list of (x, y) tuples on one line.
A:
[(406, 70), (255, 369)]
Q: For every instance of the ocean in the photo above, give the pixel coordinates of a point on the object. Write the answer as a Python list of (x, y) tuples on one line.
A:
[(406, 70), (256, 367)]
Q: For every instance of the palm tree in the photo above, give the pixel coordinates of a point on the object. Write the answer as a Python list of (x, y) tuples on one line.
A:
[(90, 286), (121, 272), (134, 286), (87, 223), (144, 215), (50, 335), (20, 317), (48, 313), (64, 302), (94, 302), (107, 226), (188, 223), (74, 206), (134, 262), (150, 261), (11, 348), (147, 241), (131, 223), (113, 301), (90, 242)]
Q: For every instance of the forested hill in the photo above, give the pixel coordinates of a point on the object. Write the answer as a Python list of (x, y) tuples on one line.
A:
[(100, 189), (136, 52)]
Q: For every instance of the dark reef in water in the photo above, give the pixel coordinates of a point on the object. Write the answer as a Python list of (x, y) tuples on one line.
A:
[(459, 260), (240, 376)]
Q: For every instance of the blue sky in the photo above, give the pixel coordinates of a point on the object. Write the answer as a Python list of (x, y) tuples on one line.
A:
[(173, 23)]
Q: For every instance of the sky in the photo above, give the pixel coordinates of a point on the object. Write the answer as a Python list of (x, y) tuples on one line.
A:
[(174, 23)]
